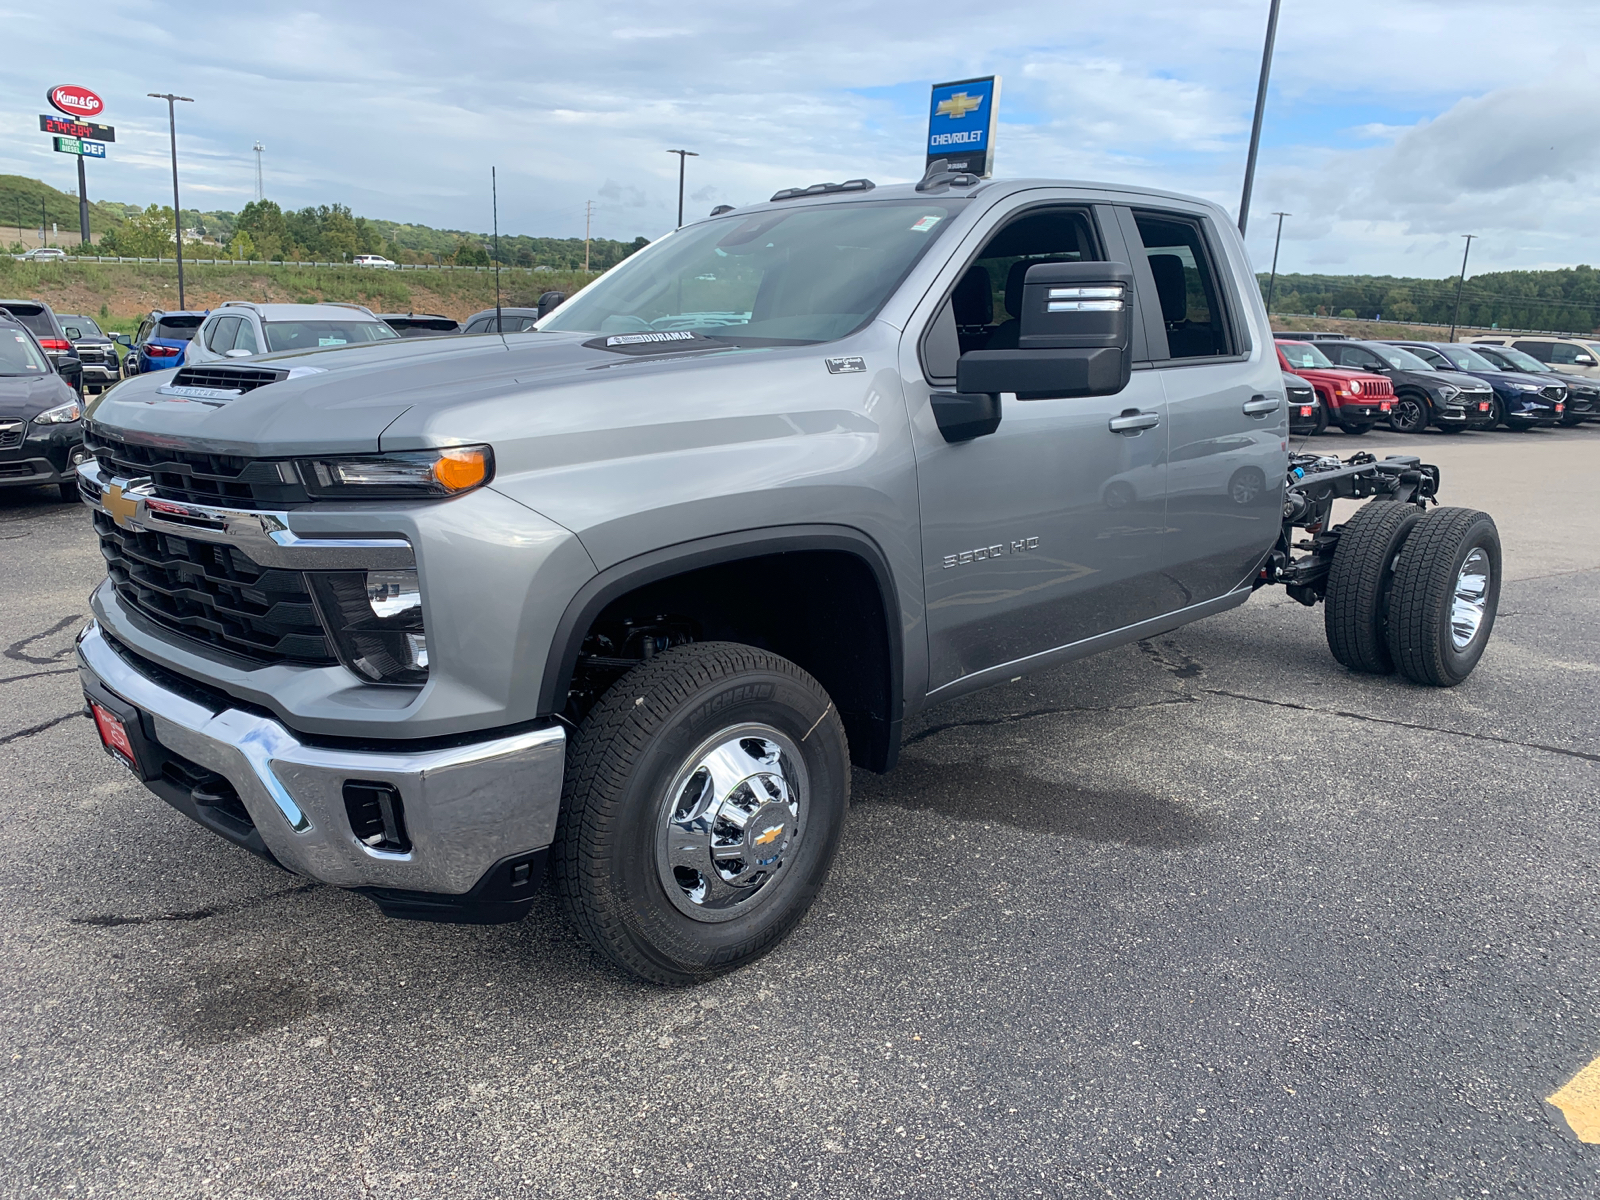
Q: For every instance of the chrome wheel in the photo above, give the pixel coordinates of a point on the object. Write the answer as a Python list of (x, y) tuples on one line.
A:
[(731, 822), (1471, 597)]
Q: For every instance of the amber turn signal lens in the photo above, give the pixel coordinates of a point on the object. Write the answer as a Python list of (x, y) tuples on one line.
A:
[(458, 470)]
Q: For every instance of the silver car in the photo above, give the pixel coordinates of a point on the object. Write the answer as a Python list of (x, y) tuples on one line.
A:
[(241, 329)]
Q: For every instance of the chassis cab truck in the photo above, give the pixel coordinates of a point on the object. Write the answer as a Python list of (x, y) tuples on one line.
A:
[(620, 600)]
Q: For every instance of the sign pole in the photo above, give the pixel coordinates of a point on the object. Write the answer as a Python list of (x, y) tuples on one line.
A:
[(83, 204), (494, 194)]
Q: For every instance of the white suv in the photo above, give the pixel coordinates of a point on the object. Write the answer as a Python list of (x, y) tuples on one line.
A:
[(373, 260), (1569, 355), (240, 329)]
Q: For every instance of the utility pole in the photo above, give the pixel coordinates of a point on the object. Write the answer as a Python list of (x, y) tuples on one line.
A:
[(260, 191), (177, 211), (1273, 281), (1459, 282), (43, 221), (588, 212), (1261, 108), (683, 157), (494, 192)]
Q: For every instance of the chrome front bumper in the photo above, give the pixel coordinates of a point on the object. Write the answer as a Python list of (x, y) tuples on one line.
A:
[(467, 808)]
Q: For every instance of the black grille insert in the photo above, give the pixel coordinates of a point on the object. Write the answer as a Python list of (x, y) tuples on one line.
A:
[(222, 479), (244, 379), (214, 594), (376, 815), (10, 435)]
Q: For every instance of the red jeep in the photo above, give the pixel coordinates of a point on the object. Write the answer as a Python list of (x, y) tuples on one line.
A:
[(1355, 401)]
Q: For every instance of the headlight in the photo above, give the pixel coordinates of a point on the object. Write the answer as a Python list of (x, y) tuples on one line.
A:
[(375, 621), (1526, 387), (446, 472), (1355, 387), (1447, 393), (60, 414)]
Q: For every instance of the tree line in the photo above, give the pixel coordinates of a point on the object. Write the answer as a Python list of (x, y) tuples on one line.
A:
[(1565, 300)]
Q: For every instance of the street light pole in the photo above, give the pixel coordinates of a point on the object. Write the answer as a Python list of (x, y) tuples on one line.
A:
[(1273, 281), (177, 211), (683, 157), (1261, 108), (1462, 279)]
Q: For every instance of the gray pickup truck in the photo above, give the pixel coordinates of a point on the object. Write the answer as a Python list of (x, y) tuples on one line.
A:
[(621, 599)]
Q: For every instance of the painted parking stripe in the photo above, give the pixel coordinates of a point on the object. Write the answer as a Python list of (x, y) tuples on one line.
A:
[(1579, 1102)]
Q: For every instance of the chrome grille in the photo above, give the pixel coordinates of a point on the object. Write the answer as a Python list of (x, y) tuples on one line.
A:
[(198, 478), (10, 434), (214, 594)]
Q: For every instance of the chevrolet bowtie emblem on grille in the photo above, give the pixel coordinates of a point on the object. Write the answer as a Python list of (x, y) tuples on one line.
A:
[(767, 836), (959, 105), (121, 507)]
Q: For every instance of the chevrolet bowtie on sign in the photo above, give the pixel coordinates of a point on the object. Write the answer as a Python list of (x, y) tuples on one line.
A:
[(961, 124)]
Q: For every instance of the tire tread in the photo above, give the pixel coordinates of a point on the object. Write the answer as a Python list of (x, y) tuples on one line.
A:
[(1358, 584)]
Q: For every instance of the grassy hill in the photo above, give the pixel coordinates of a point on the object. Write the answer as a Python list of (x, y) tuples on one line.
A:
[(121, 293), (20, 201)]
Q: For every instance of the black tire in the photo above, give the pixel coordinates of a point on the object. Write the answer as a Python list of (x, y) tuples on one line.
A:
[(1322, 420), (1428, 577), (612, 853), (70, 493), (1356, 428), (1356, 612), (1411, 414)]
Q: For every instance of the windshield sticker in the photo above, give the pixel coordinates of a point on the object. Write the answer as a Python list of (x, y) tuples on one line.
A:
[(927, 223), (332, 342), (637, 339)]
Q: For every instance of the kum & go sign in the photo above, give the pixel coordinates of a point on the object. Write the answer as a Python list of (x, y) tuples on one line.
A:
[(75, 101)]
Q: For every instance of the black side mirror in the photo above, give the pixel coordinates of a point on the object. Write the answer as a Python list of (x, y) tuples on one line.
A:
[(1074, 337), (550, 301)]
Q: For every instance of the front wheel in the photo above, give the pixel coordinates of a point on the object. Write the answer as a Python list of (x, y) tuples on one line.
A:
[(704, 798), (1409, 415)]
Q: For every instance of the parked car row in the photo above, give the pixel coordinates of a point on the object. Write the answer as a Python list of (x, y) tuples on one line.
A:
[(1414, 385)]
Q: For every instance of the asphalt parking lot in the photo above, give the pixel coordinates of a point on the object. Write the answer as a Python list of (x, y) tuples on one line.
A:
[(1204, 916)]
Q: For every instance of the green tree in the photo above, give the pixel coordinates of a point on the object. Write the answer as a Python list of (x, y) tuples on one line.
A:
[(469, 254), (147, 234)]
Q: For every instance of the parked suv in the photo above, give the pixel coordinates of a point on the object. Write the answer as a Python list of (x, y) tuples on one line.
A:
[(1521, 401), (1583, 394), (162, 341), (1305, 410), (42, 322), (1569, 355), (1353, 400), (95, 350), (1423, 394), (240, 329), (41, 430), (629, 595), (414, 324)]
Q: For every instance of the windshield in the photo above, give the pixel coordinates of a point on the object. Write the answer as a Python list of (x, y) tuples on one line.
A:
[(176, 329), (1400, 360), (308, 335), (790, 277), (80, 327), (1303, 354), (1513, 360), (18, 355), (1466, 359)]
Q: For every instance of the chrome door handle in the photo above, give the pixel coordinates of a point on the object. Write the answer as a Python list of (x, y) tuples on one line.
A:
[(1260, 406), (1133, 420)]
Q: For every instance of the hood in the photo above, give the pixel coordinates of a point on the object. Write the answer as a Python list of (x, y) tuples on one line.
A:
[(1456, 379), (26, 396), (341, 399)]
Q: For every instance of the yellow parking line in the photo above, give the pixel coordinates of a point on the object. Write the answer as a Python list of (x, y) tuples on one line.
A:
[(1579, 1102)]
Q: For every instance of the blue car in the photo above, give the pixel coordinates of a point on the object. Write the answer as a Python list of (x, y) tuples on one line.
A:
[(162, 339), (1522, 401)]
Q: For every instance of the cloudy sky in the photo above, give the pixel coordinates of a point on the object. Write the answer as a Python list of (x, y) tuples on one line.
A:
[(1393, 126)]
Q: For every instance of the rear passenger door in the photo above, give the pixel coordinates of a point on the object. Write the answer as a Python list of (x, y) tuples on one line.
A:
[(1228, 419)]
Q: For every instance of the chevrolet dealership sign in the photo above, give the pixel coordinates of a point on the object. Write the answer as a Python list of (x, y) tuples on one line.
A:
[(961, 124)]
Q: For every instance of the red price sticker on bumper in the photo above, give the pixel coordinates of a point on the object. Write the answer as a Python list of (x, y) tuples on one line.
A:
[(112, 734)]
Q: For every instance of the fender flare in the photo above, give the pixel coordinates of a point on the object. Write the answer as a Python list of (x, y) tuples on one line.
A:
[(652, 566)]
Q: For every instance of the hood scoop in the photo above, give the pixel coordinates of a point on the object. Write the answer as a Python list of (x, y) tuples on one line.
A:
[(218, 384)]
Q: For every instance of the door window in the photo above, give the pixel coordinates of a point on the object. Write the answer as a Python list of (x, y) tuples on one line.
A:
[(247, 337), (1562, 354), (985, 307), (222, 333), (1186, 285), (1540, 350)]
